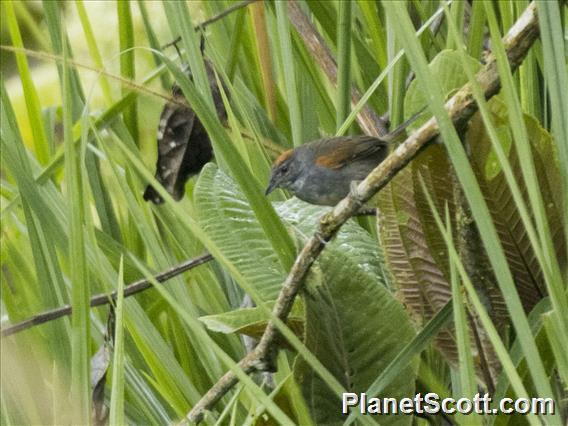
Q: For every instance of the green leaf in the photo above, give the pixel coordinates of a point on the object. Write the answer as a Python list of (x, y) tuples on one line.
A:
[(252, 321), (407, 354), (353, 344), (520, 253), (127, 68), (556, 78), (80, 288), (229, 221), (344, 339), (31, 97), (352, 244), (536, 203), (94, 50), (116, 415), (447, 66), (344, 24), (289, 70)]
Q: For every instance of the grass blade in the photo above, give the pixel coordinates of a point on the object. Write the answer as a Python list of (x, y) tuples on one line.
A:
[(343, 61), (80, 355), (127, 70), (93, 48), (116, 416), (30, 94), (556, 77), (289, 71)]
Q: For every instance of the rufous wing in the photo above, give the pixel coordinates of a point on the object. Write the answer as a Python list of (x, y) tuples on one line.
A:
[(336, 153)]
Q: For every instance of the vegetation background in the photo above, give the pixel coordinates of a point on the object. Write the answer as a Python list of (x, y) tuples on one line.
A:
[(79, 146)]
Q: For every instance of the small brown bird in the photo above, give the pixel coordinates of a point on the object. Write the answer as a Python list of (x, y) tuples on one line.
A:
[(322, 171)]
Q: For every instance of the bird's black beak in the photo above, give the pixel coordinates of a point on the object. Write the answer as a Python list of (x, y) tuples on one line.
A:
[(272, 185)]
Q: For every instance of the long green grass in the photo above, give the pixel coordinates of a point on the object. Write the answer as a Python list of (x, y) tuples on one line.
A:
[(390, 311)]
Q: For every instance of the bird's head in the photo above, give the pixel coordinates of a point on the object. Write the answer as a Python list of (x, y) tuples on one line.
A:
[(285, 172)]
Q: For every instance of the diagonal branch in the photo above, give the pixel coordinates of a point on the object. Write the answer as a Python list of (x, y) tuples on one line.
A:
[(105, 299), (460, 109), (367, 119)]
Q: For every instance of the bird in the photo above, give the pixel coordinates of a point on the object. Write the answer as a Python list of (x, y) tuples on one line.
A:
[(322, 172)]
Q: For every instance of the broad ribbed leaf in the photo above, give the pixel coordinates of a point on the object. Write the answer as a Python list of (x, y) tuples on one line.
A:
[(431, 279), (353, 243), (520, 254), (355, 327), (228, 220), (408, 242), (395, 255), (415, 249), (433, 167)]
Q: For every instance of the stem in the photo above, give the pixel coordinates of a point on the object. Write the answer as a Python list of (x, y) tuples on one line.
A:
[(104, 298), (344, 62)]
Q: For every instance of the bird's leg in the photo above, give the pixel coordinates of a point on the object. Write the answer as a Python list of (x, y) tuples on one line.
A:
[(363, 210)]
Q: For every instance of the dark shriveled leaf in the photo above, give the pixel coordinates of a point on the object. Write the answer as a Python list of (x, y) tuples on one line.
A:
[(422, 297), (99, 367), (100, 363), (415, 251), (184, 146), (520, 254)]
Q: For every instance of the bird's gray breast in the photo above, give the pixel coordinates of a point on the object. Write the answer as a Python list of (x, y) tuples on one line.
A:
[(321, 186)]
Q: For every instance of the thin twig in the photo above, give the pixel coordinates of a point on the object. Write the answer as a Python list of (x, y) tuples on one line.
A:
[(224, 13), (460, 109), (481, 350), (105, 298), (126, 82), (207, 22), (367, 119), (123, 81)]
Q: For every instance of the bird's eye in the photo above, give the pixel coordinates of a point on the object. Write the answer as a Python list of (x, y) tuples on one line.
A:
[(284, 169)]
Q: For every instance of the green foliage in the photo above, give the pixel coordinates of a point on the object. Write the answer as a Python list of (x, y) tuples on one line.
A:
[(353, 344), (477, 219)]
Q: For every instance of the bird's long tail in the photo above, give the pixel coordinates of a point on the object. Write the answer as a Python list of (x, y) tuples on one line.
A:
[(396, 134)]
